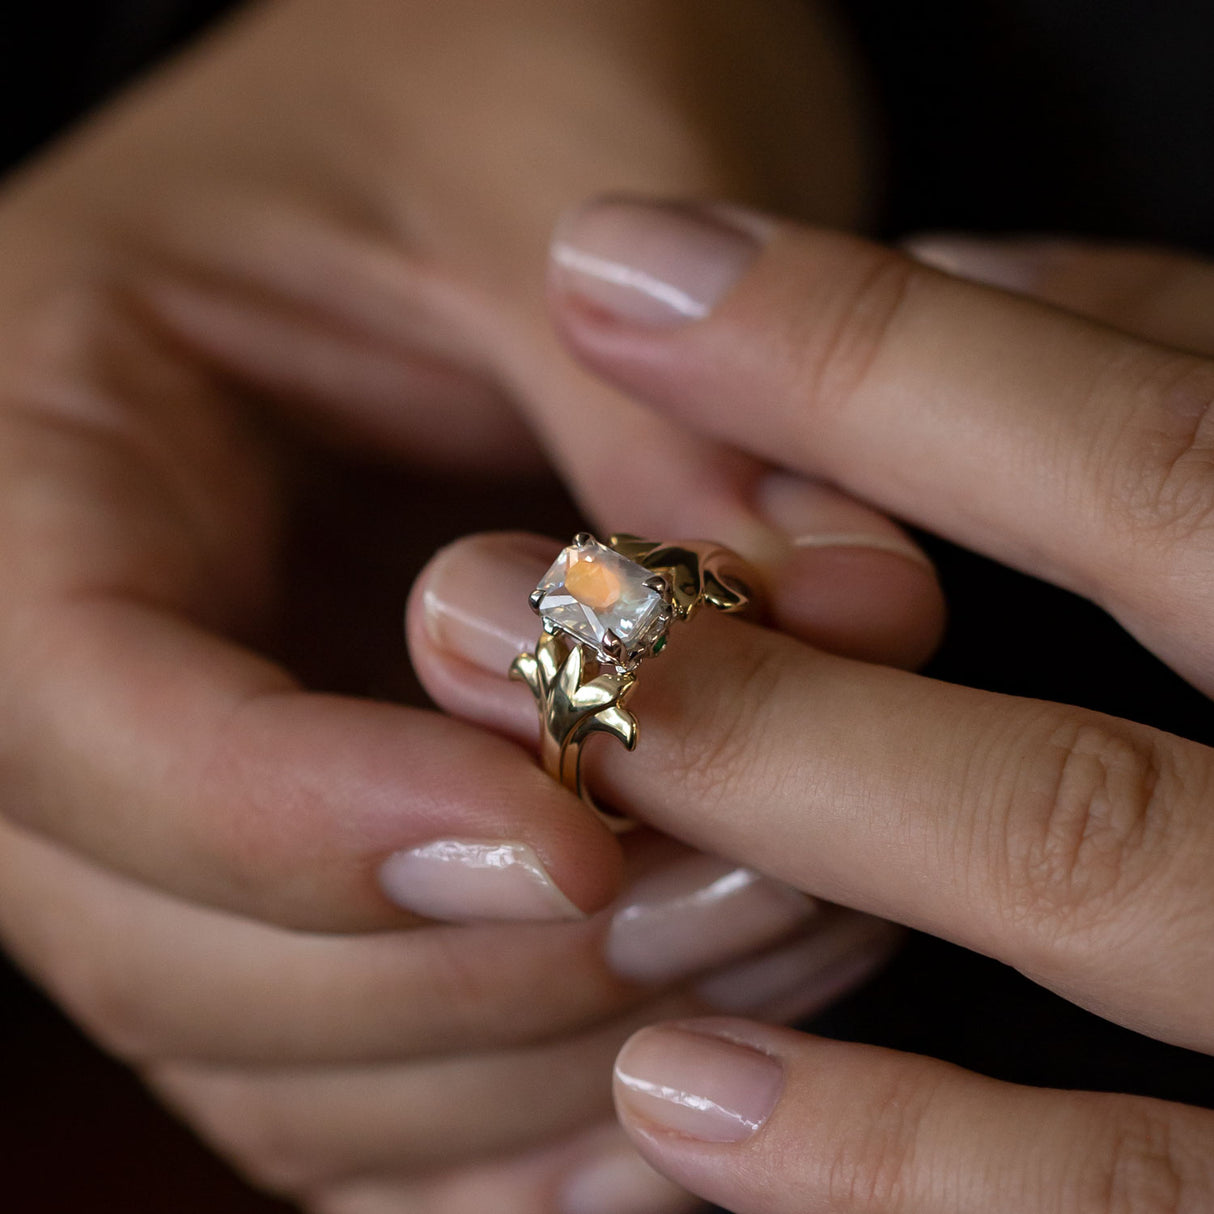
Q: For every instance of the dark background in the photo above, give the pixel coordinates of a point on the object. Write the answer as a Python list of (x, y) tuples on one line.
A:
[(1055, 115)]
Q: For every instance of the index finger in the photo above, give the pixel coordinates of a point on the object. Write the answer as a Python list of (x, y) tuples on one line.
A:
[(1071, 450)]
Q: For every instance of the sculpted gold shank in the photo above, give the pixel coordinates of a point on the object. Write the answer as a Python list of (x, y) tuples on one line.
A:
[(605, 608)]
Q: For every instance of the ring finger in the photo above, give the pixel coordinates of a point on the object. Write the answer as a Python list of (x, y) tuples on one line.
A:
[(596, 1171), (303, 1130), (154, 978)]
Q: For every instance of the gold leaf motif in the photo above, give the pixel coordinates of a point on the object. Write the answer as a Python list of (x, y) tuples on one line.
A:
[(695, 578), (572, 708)]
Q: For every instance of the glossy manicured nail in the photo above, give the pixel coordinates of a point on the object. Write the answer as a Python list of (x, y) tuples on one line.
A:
[(1014, 265), (685, 1079), (619, 1181), (466, 880), (804, 977), (696, 913), (811, 515), (475, 600), (649, 263)]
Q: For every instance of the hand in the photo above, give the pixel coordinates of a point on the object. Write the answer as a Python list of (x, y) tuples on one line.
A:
[(306, 244), (1071, 845)]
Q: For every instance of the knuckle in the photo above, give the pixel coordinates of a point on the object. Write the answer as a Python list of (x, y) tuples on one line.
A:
[(1162, 480), (1141, 1167), (1093, 826), (844, 345)]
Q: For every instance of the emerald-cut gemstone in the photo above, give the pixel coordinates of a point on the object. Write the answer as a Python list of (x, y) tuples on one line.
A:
[(594, 594)]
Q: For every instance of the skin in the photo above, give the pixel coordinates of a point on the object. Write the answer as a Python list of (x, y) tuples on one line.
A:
[(297, 276), (1066, 435)]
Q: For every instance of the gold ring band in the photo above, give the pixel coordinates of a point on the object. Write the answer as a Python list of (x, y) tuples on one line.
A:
[(605, 608)]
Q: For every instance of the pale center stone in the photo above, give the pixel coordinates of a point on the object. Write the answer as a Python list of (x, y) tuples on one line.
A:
[(602, 599), (592, 583)]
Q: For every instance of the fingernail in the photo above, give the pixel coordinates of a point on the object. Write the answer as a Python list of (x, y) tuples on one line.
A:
[(466, 880), (619, 1181), (1014, 265), (802, 978), (697, 913), (690, 1082), (812, 515), (475, 600), (655, 264)]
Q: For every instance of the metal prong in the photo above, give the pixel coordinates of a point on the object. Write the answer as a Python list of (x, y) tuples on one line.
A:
[(536, 598), (550, 627), (582, 539), (612, 646), (658, 584)]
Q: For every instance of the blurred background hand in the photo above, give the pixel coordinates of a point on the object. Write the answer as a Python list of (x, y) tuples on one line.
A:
[(271, 329)]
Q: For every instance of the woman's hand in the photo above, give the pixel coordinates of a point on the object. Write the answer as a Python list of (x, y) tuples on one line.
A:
[(1071, 845), (321, 223), (318, 237)]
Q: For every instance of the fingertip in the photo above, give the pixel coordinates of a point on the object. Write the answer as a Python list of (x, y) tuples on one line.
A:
[(847, 578), (692, 255), (467, 618), (860, 600), (1013, 264)]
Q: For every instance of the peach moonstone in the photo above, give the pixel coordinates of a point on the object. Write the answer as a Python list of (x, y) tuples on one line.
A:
[(592, 583)]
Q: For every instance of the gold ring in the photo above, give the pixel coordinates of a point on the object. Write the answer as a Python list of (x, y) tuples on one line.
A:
[(605, 608)]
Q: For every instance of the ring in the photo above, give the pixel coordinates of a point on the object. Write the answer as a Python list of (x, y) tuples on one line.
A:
[(605, 608)]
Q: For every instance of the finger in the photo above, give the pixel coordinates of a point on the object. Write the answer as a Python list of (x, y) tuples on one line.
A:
[(1156, 294), (596, 1172), (299, 1131), (765, 1121), (1072, 845), (338, 329), (835, 571), (134, 518), (189, 763), (1060, 446), (153, 978)]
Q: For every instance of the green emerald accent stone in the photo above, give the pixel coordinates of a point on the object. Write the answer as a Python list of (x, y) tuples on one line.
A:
[(659, 645)]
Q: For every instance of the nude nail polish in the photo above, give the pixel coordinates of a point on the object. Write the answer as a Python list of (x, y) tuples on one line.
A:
[(466, 880), (697, 913), (1008, 263), (475, 600), (812, 515), (649, 263), (807, 975), (686, 1080)]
